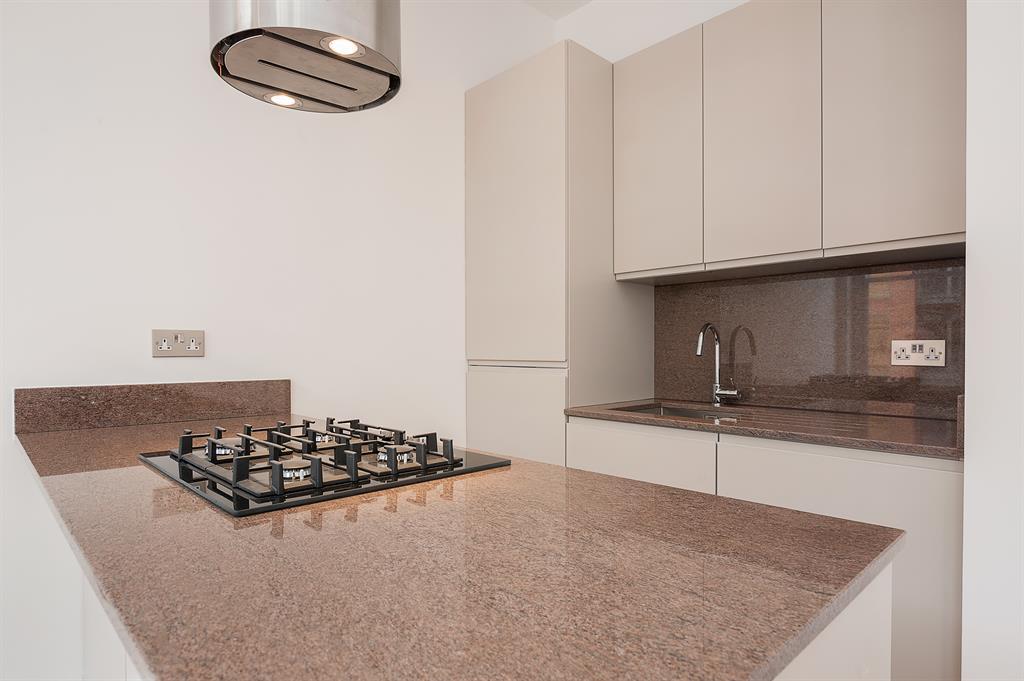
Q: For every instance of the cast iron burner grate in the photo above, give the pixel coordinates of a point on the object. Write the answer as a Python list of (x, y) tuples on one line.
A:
[(286, 465)]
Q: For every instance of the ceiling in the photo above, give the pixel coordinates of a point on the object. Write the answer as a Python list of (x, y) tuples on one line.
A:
[(556, 9)]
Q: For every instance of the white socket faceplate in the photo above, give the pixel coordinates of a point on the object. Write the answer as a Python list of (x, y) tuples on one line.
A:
[(919, 353), (178, 343)]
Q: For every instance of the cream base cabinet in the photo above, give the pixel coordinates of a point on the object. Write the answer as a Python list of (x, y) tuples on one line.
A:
[(665, 456), (547, 324), (922, 496), (517, 411)]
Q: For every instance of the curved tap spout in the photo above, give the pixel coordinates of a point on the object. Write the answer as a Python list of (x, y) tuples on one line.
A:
[(717, 392), (708, 326)]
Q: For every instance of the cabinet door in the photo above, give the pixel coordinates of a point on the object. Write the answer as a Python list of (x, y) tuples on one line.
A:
[(516, 212), (924, 501), (658, 165), (762, 130), (517, 411), (894, 119), (665, 456)]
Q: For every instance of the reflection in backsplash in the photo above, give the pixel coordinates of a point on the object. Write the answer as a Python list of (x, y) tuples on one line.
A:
[(818, 340)]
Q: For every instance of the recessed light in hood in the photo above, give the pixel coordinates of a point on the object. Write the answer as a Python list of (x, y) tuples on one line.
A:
[(329, 56), (282, 99), (342, 46)]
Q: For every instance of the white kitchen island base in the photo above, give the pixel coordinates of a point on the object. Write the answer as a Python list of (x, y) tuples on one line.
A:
[(857, 644)]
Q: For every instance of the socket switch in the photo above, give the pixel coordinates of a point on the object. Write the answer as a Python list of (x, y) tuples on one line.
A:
[(919, 353), (179, 343)]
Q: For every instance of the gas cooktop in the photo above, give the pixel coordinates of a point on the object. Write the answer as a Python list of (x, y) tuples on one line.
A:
[(285, 465)]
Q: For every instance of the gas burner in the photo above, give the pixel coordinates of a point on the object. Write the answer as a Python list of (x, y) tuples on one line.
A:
[(286, 465), (403, 454), (295, 469)]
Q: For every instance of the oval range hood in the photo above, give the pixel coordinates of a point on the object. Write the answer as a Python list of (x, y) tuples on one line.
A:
[(327, 56)]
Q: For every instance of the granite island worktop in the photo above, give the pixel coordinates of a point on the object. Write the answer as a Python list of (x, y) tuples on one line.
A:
[(528, 571), (896, 434)]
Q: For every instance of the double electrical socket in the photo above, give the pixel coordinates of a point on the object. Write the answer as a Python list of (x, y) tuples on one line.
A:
[(919, 353), (179, 343)]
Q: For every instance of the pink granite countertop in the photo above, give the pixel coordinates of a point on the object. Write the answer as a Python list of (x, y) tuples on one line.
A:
[(895, 434), (532, 571)]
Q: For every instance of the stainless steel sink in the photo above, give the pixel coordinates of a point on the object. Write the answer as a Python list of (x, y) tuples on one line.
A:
[(668, 410)]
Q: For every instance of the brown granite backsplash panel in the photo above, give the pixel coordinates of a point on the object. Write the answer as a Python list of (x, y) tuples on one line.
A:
[(100, 406), (818, 340)]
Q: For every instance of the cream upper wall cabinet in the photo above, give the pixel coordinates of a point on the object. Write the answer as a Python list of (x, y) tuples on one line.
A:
[(658, 156), (894, 119), (762, 130), (516, 227)]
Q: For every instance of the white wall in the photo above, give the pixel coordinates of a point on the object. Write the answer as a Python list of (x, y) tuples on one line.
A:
[(993, 605), (139, 191), (617, 28)]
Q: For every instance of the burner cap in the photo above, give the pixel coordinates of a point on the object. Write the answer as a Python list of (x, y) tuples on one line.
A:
[(295, 469), (403, 454)]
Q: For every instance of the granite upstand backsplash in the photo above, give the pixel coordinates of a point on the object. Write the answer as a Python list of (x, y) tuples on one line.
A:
[(818, 340)]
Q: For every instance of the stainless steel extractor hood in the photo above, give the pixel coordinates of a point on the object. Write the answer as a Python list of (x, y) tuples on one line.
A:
[(329, 56)]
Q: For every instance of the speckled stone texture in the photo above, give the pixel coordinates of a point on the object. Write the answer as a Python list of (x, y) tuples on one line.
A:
[(102, 406), (819, 340), (532, 571), (896, 434)]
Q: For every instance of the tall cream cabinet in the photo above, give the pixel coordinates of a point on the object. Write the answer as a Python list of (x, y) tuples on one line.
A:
[(762, 131), (830, 131), (547, 325), (894, 107), (516, 206), (658, 157)]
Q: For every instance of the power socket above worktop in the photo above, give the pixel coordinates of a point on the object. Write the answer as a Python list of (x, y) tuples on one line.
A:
[(919, 353), (178, 343)]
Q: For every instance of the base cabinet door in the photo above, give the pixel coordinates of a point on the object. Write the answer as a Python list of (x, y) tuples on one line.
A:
[(923, 497), (665, 456), (504, 403)]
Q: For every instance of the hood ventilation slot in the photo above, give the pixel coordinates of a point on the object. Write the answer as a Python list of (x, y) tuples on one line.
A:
[(307, 75)]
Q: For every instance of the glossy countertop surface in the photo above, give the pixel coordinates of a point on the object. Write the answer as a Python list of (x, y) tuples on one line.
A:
[(531, 571), (895, 434)]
